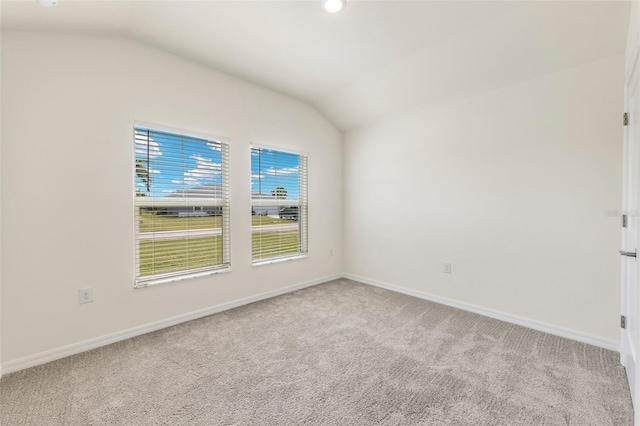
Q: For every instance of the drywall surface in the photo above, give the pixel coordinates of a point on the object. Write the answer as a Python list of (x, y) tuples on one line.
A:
[(633, 37), (0, 204), (511, 186), (68, 105)]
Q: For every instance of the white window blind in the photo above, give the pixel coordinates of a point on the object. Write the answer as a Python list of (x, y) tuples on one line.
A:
[(278, 204), (181, 206)]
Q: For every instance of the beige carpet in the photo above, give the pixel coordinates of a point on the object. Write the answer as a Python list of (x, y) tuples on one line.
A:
[(340, 353)]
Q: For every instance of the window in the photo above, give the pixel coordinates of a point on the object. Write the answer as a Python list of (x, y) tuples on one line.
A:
[(278, 205), (181, 206)]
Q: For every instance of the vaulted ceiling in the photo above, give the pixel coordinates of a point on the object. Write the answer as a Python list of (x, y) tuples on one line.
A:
[(370, 61)]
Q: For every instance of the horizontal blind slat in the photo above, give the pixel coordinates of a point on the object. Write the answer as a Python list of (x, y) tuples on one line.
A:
[(181, 204), (279, 189)]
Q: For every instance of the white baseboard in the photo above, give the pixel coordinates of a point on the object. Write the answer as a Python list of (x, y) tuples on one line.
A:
[(568, 333), (86, 345)]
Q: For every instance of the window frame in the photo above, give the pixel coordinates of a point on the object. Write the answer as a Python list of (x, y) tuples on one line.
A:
[(225, 204), (302, 203)]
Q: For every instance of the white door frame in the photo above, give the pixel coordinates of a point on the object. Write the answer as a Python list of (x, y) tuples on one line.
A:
[(634, 62)]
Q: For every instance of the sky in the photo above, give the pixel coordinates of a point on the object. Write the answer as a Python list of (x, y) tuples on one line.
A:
[(271, 169), (178, 162)]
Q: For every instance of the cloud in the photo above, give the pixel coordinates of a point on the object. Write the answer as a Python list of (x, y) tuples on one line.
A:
[(280, 172), (214, 146), (254, 177), (206, 169), (141, 143)]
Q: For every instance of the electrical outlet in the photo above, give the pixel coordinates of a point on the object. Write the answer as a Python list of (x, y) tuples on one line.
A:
[(85, 295), (446, 268)]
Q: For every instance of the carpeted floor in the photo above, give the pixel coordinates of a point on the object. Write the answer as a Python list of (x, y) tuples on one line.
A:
[(340, 353)]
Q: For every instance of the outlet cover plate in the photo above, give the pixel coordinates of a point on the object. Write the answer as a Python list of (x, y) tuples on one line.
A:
[(85, 295)]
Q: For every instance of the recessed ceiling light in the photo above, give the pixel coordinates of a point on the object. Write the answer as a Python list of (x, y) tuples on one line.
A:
[(333, 6), (48, 3)]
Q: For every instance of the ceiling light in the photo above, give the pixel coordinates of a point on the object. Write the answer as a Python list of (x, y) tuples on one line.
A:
[(333, 6), (48, 3)]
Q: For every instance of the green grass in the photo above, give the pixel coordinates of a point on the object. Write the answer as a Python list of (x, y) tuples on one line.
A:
[(150, 222), (266, 220), (180, 254), (269, 244)]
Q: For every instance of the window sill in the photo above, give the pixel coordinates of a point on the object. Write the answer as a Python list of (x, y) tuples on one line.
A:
[(279, 260), (176, 278)]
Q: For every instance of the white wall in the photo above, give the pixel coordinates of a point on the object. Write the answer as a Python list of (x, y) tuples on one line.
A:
[(511, 187), (0, 203), (633, 36), (68, 104)]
